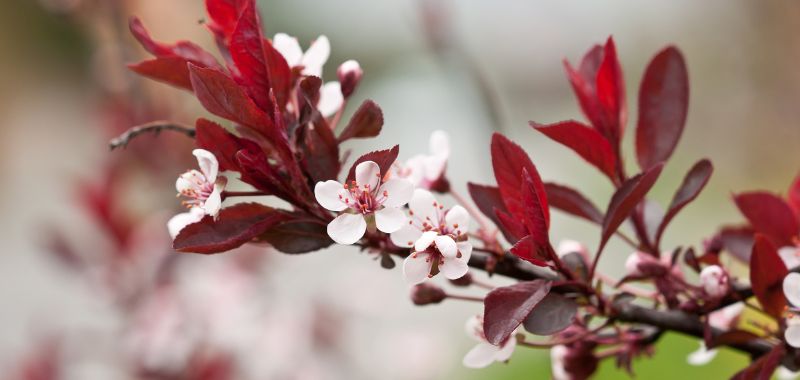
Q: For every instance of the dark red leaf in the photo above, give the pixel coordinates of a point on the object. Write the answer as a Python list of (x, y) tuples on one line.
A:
[(572, 202), (693, 183), (223, 144), (583, 84), (366, 122), (508, 161), (506, 307), (767, 271), (280, 74), (663, 104), (553, 314), (170, 70), (384, 159), (183, 49), (610, 87), (794, 196), (298, 236), (526, 249), (487, 198), (512, 228), (534, 218), (224, 14), (764, 367), (235, 225), (585, 141), (770, 215), (247, 53), (320, 151), (625, 199), (221, 96)]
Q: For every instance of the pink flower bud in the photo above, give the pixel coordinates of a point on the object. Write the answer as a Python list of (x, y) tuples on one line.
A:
[(349, 74), (714, 281), (425, 294), (640, 264)]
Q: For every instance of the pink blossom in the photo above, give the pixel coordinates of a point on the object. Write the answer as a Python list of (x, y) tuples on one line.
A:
[(364, 198), (426, 170), (485, 353), (438, 236), (714, 280), (203, 189), (791, 289), (311, 63)]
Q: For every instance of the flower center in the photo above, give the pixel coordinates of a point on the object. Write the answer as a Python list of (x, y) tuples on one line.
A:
[(363, 198), (197, 191)]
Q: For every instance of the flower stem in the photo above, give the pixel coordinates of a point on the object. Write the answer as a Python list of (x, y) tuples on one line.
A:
[(465, 298)]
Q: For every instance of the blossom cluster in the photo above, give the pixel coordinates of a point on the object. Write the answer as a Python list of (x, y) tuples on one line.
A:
[(284, 141)]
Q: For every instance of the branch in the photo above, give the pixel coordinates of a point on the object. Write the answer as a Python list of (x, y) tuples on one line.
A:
[(153, 127)]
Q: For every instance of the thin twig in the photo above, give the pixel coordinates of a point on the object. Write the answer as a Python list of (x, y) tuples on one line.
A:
[(153, 127)]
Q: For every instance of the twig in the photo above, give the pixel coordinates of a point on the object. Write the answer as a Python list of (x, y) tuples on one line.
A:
[(153, 127)]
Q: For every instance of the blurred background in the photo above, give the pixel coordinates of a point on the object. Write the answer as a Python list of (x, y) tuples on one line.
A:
[(87, 281)]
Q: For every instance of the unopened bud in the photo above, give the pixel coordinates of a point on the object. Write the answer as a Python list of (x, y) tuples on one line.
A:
[(349, 74), (465, 280), (424, 294), (566, 247), (640, 264), (715, 281)]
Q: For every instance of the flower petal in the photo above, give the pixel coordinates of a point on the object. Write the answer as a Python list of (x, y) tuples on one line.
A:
[(474, 328), (208, 164), (288, 47), (417, 267), (784, 373), (465, 249), (179, 221), (702, 356), (368, 173), (390, 219), (453, 268), (439, 144), (457, 218), (791, 288), (214, 201), (422, 205), (398, 192), (425, 240), (480, 356), (330, 99), (316, 56), (447, 246), (191, 180), (347, 228), (406, 236), (792, 335), (506, 349), (332, 195), (790, 256)]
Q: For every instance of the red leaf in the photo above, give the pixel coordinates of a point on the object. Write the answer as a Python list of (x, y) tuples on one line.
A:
[(770, 215), (610, 87), (513, 228), (215, 139), (526, 249), (487, 198), (625, 199), (794, 196), (663, 104), (221, 96), (534, 218), (585, 141), (235, 225), (297, 236), (693, 183), (247, 53), (170, 70), (583, 84), (366, 122), (764, 367), (572, 202), (384, 159), (280, 74), (224, 14), (506, 307), (508, 161), (320, 152), (183, 49), (767, 271), (553, 314)]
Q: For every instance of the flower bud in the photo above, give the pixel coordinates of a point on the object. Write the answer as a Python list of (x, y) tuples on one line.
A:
[(424, 294), (570, 246), (349, 74), (465, 280), (714, 281)]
